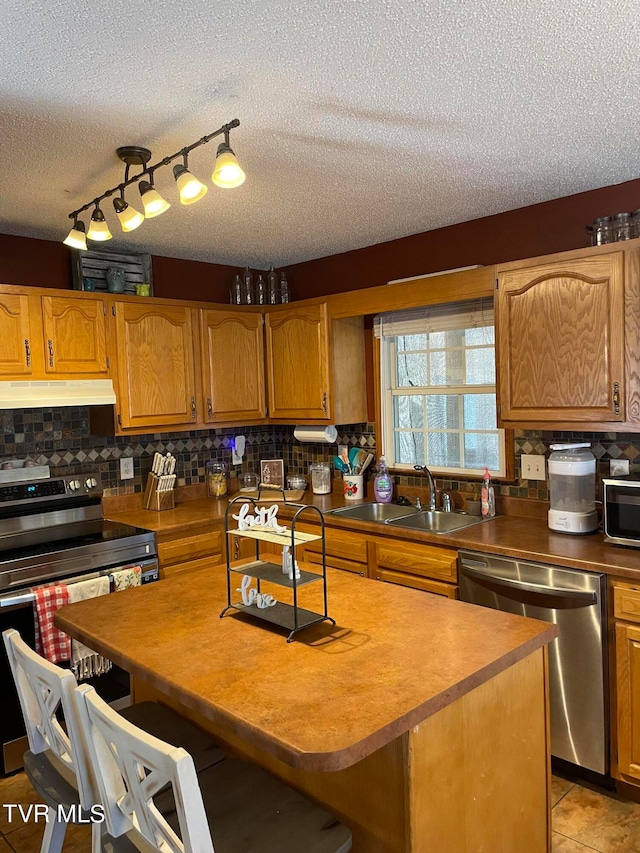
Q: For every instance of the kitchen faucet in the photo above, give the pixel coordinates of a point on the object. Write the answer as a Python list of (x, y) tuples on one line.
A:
[(432, 485)]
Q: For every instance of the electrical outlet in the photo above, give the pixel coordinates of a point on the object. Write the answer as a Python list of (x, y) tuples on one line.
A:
[(618, 467), (126, 467), (533, 467)]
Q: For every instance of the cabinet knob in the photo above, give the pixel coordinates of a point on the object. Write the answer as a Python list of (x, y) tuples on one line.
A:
[(193, 408), (27, 350), (50, 345), (324, 402), (209, 409), (616, 398)]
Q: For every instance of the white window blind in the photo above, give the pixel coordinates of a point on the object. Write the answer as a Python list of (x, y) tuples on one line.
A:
[(435, 318)]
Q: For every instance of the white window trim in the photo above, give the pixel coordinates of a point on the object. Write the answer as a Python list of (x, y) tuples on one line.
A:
[(417, 321)]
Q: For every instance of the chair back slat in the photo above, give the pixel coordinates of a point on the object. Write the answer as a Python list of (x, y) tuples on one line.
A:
[(131, 768), (42, 689)]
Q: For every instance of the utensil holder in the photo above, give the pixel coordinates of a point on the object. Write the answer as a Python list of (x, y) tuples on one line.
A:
[(353, 485)]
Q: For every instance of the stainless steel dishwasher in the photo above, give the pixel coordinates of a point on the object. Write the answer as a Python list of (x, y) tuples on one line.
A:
[(578, 674)]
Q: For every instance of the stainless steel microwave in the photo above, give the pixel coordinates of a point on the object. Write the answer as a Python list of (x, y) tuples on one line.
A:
[(621, 511)]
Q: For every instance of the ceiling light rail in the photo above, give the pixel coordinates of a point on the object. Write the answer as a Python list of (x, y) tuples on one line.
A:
[(226, 174)]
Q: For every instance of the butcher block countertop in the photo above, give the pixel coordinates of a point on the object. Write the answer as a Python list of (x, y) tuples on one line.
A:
[(507, 535), (332, 696)]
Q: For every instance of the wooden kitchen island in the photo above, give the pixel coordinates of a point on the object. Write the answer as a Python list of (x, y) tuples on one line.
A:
[(420, 721)]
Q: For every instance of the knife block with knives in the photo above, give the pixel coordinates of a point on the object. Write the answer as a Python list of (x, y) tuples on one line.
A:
[(159, 492)]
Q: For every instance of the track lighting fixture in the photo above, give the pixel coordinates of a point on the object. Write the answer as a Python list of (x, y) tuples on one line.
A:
[(76, 238), (152, 201), (129, 217), (98, 228), (227, 174), (190, 188)]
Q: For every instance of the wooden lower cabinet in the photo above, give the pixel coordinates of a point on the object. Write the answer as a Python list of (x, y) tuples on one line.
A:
[(627, 680), (416, 582), (187, 551), (343, 550), (426, 567)]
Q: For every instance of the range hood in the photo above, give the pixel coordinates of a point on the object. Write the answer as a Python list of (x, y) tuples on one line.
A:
[(57, 392)]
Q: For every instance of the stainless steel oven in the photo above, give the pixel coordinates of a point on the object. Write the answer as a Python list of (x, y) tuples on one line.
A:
[(53, 530)]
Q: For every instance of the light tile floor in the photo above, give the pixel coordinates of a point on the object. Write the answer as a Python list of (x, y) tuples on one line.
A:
[(585, 820)]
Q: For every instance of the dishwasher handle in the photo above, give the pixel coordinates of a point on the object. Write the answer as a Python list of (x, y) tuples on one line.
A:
[(578, 598)]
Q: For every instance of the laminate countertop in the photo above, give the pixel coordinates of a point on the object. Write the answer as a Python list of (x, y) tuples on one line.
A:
[(332, 696), (506, 535)]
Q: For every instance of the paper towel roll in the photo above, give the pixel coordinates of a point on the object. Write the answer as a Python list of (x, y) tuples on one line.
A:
[(328, 435)]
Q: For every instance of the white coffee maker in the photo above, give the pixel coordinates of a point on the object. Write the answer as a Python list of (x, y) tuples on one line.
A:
[(572, 489)]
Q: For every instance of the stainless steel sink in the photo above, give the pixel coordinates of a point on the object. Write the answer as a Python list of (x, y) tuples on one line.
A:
[(374, 512), (436, 521)]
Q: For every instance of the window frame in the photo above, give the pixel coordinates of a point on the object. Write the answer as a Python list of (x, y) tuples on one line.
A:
[(386, 361)]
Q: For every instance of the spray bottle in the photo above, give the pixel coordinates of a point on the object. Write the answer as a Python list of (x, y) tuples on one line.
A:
[(487, 496)]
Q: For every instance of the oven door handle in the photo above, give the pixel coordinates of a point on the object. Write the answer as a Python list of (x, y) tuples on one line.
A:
[(16, 599), (579, 598)]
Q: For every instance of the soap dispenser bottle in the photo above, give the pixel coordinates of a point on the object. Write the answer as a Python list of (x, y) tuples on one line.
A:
[(382, 484)]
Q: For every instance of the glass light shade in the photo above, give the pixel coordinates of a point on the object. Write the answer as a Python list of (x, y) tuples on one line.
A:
[(227, 172), (76, 238), (152, 201), (98, 228), (129, 217), (189, 187)]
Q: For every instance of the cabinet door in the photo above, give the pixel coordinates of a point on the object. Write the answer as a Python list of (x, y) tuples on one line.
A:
[(201, 548), (75, 335), (343, 550), (628, 696), (233, 366), (298, 363), (16, 340), (428, 561), (424, 584), (561, 340), (156, 375)]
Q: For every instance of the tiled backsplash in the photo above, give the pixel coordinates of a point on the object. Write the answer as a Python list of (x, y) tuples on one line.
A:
[(60, 438)]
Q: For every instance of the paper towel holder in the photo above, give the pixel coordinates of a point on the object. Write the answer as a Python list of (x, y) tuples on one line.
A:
[(324, 434)]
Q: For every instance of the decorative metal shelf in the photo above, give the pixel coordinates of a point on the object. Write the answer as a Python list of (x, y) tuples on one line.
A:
[(272, 572), (292, 617)]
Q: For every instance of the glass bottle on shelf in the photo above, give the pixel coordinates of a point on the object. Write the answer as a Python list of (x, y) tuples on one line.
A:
[(272, 282), (284, 288), (236, 291), (622, 226), (247, 287), (261, 290)]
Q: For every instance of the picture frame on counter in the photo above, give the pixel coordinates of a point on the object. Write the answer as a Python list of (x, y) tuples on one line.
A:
[(272, 472)]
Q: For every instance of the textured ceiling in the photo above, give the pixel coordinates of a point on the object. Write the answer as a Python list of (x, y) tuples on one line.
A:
[(360, 120)]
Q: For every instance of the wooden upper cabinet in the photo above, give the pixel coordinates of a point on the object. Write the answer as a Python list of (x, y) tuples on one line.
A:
[(74, 332), (561, 339), (298, 363), (16, 338), (156, 376), (233, 376), (315, 368)]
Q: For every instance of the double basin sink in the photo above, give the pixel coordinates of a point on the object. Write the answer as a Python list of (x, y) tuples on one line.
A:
[(430, 521)]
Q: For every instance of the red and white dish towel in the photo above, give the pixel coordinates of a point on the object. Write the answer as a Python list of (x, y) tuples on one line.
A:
[(51, 643), (84, 661)]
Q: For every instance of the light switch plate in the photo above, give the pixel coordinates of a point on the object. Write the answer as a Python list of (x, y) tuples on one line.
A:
[(533, 467), (126, 468), (618, 467)]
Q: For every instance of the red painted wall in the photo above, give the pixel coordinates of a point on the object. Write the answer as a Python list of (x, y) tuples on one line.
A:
[(538, 229), (46, 263), (552, 226)]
